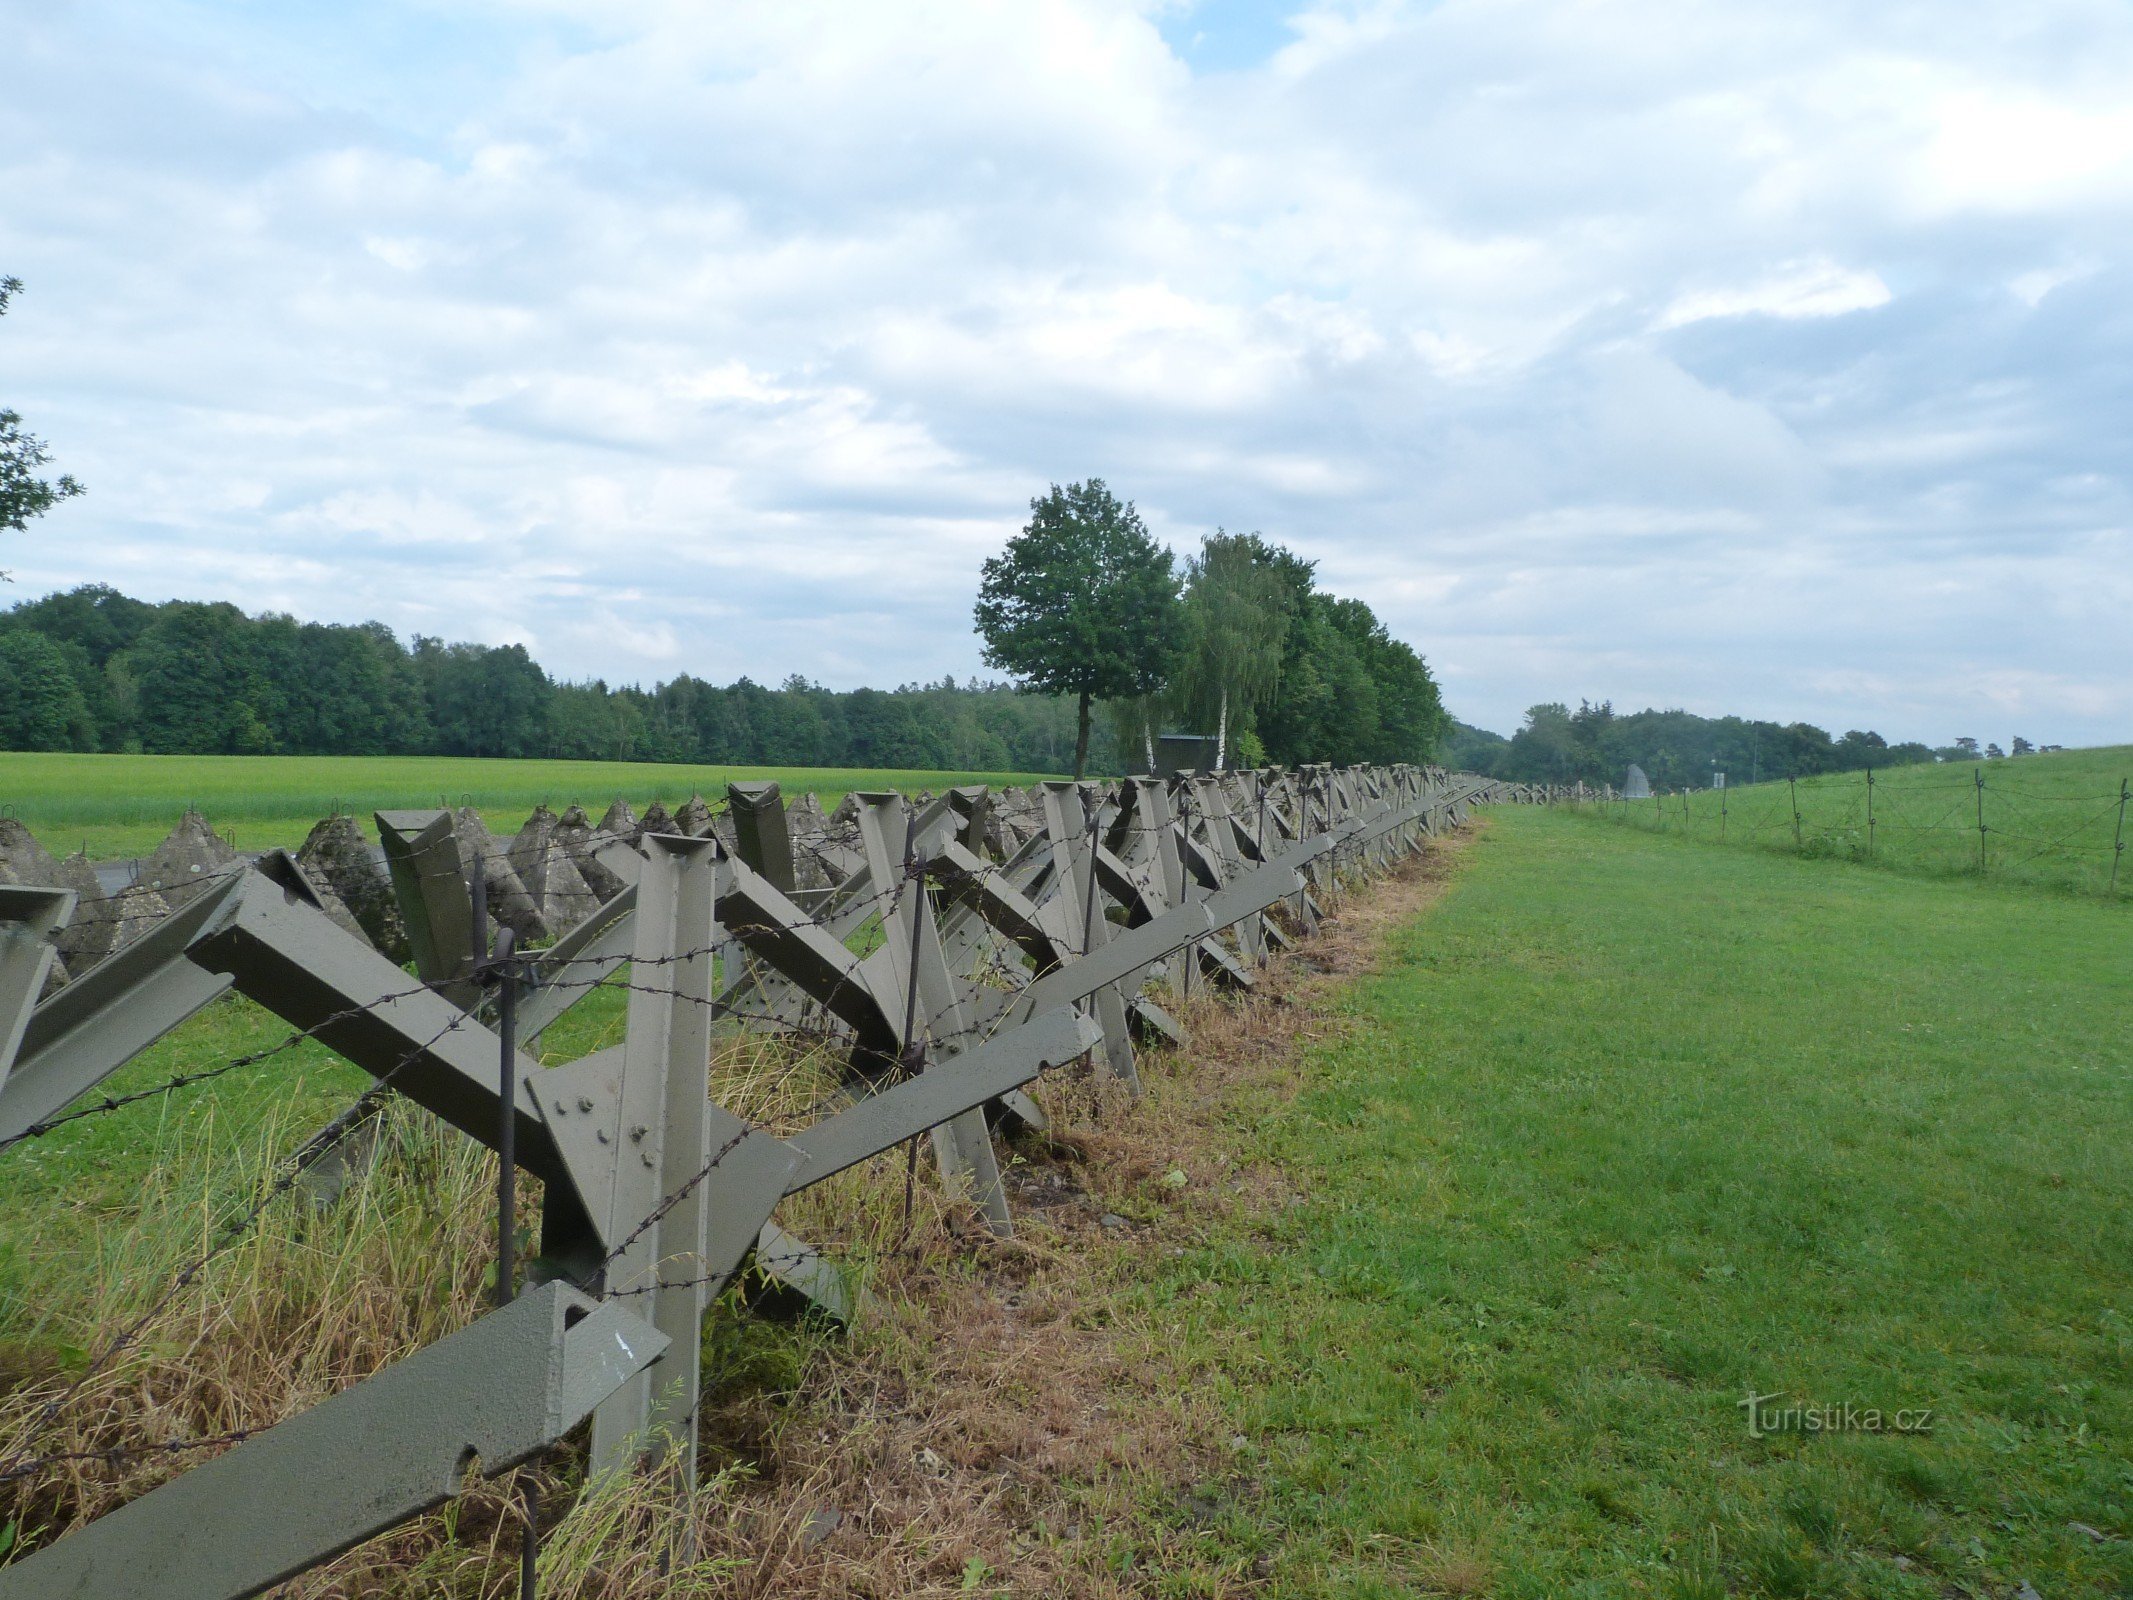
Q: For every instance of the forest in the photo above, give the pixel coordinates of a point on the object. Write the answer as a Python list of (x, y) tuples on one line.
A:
[(1596, 744), (93, 669)]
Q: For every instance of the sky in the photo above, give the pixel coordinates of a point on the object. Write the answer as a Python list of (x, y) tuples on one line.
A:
[(1771, 357)]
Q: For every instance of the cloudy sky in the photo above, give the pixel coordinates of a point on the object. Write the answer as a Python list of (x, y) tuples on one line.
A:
[(1771, 356)]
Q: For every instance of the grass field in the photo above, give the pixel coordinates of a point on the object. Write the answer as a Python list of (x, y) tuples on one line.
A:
[(118, 805), (1631, 1128), (1462, 1293), (2048, 820)]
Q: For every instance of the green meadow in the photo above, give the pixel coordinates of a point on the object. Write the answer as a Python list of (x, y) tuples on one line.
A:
[(2046, 820), (1627, 1130), (1623, 1132), (122, 805)]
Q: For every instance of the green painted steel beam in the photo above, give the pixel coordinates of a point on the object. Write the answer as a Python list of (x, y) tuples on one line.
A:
[(28, 919), (387, 1449)]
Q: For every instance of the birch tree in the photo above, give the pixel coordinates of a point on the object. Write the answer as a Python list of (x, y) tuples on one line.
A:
[(1234, 630)]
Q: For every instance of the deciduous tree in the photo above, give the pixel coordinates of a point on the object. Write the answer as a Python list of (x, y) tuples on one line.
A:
[(1082, 602), (1235, 627), (23, 494)]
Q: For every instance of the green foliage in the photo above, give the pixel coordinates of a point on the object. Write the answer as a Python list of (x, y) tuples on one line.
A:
[(207, 681), (187, 678), (1350, 692), (1470, 749), (1625, 1129), (1235, 624), (483, 701), (23, 494), (1341, 688), (1677, 749), (41, 707), (1082, 602)]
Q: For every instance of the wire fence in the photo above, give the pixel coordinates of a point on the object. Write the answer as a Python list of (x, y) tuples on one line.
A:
[(1994, 820)]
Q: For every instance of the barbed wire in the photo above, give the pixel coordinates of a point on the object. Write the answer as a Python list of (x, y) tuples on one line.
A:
[(1228, 852), (184, 1080), (307, 1156)]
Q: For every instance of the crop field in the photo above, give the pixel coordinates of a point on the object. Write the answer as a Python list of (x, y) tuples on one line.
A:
[(2055, 819), (122, 805)]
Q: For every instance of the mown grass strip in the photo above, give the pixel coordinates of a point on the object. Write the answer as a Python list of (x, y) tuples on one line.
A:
[(1628, 1130)]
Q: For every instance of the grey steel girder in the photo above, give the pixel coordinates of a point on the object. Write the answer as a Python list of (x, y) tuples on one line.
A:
[(386, 1449), (282, 953), (689, 1184), (28, 920), (576, 964), (770, 926), (429, 881), (762, 835), (883, 1120), (115, 1010), (1080, 907)]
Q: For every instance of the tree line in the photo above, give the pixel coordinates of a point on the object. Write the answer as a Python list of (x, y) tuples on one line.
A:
[(1595, 744), (92, 669), (1240, 644)]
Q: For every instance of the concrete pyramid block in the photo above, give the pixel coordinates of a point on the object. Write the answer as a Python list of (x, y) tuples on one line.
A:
[(552, 880), (581, 842), (192, 859), (134, 912), (93, 932), (694, 818), (656, 819), (337, 856), (22, 859), (509, 903), (618, 821)]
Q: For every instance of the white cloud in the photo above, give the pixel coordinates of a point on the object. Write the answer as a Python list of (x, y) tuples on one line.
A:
[(1757, 357), (1803, 289)]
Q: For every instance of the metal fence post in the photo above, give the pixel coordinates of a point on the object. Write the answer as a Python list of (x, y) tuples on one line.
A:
[(2118, 845), (1792, 787), (505, 968), (1980, 775), (1870, 812)]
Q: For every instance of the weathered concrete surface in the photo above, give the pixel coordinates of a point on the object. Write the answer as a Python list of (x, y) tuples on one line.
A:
[(509, 903), (134, 913), (93, 934), (694, 818), (656, 819), (581, 843), (618, 821), (22, 859), (337, 856), (558, 890), (192, 859)]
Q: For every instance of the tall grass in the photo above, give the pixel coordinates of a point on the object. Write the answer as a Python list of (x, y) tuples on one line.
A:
[(2045, 820), (319, 1294)]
